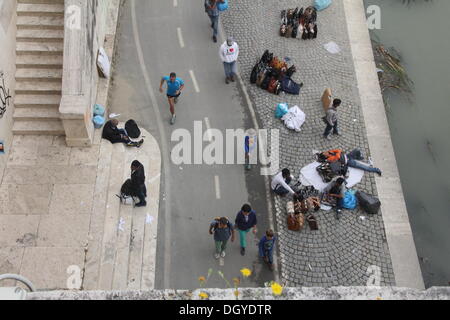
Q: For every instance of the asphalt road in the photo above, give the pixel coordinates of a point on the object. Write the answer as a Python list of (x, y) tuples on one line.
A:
[(150, 46)]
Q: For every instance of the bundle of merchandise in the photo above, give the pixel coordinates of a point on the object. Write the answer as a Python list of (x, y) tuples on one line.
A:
[(303, 22), (274, 75)]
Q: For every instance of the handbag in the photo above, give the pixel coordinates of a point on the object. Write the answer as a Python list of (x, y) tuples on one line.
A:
[(223, 6), (312, 221)]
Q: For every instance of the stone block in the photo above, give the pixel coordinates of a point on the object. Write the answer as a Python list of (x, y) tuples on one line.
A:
[(72, 199), (63, 231), (18, 230)]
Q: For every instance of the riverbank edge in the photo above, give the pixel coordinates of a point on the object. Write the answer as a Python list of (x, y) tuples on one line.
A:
[(395, 215)]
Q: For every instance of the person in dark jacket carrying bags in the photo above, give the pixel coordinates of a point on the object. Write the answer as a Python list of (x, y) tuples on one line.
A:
[(245, 221), (222, 230), (138, 183), (266, 246), (115, 135)]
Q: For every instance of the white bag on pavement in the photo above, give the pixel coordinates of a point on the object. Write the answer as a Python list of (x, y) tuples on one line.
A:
[(294, 119), (103, 63)]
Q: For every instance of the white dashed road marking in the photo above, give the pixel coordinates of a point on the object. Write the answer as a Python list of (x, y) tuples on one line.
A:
[(217, 183), (194, 81), (180, 37), (208, 130)]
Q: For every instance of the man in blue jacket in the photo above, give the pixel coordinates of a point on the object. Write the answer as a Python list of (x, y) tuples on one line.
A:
[(266, 246), (245, 221)]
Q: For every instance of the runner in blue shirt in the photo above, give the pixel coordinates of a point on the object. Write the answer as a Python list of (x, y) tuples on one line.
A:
[(174, 87)]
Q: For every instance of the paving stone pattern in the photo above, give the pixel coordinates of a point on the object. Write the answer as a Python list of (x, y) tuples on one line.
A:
[(341, 251)]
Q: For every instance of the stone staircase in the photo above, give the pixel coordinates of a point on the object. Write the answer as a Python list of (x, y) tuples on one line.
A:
[(122, 240), (39, 63)]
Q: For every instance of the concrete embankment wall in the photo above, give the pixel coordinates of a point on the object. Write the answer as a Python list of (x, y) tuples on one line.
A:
[(7, 73)]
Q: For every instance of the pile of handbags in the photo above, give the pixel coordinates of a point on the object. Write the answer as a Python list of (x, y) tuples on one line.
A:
[(297, 23), (299, 213), (274, 75)]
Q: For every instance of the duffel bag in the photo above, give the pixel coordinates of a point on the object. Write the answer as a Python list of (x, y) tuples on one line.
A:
[(132, 129), (370, 204)]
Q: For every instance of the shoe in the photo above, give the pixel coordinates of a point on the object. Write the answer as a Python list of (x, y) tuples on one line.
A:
[(223, 254), (227, 80), (271, 267), (337, 134), (379, 173), (232, 79), (248, 167), (141, 204), (172, 121), (215, 39), (327, 137), (301, 85), (217, 256), (338, 214), (242, 251)]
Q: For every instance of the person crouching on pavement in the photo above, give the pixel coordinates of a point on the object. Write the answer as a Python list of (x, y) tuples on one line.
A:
[(229, 53), (335, 194), (280, 183), (138, 183), (115, 135)]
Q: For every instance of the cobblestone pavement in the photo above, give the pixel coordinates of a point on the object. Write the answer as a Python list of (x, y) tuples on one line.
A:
[(341, 252)]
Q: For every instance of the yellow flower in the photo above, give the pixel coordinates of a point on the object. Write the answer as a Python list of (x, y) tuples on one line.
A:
[(202, 279), (277, 289), (246, 272), (379, 298), (236, 293), (236, 281), (203, 295)]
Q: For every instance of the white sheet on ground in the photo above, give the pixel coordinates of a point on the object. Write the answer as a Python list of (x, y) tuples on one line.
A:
[(294, 119), (310, 177)]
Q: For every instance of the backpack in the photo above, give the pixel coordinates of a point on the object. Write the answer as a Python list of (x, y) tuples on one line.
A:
[(217, 221), (126, 193), (132, 129)]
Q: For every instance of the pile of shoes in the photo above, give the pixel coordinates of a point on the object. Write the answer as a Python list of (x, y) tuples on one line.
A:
[(303, 22), (274, 75)]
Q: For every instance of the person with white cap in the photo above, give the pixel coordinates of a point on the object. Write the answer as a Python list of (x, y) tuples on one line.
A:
[(229, 53)]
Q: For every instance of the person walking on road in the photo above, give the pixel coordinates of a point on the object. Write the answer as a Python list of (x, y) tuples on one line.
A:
[(138, 183), (266, 246), (222, 230), (331, 119), (213, 13), (174, 88), (245, 221), (229, 53)]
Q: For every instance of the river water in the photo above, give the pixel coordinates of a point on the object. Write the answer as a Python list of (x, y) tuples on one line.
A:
[(420, 126)]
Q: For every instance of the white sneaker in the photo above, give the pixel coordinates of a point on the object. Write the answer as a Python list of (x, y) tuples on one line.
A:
[(217, 256), (223, 254)]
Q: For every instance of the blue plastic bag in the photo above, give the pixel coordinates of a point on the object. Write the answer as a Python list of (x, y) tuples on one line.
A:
[(282, 109), (350, 202), (99, 121), (322, 4), (223, 6), (99, 110)]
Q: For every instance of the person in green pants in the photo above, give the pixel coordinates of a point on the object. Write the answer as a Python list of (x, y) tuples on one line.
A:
[(245, 222)]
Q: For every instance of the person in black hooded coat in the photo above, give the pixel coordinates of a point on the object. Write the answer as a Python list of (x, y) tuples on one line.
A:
[(138, 187)]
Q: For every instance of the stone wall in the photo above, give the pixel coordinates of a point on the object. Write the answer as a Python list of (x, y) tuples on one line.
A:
[(336, 293), (7, 73), (81, 77)]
